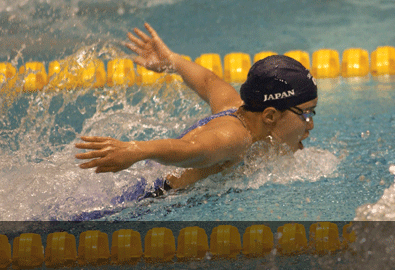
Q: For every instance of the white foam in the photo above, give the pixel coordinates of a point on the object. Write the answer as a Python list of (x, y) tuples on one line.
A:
[(266, 164), (58, 188), (45, 185), (383, 209)]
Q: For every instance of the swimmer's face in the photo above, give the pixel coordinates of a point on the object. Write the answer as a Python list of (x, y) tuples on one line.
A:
[(292, 129)]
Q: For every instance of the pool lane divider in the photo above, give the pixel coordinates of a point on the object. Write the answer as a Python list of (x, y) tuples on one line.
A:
[(160, 247), (60, 250), (292, 240), (126, 247), (71, 74), (5, 252), (192, 244), (28, 251)]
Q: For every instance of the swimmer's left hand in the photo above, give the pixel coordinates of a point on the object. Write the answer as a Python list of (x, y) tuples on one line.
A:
[(109, 155), (153, 53)]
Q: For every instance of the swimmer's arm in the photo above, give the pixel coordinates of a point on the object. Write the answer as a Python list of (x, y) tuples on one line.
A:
[(216, 92), (111, 155), (191, 176), (210, 148), (155, 55)]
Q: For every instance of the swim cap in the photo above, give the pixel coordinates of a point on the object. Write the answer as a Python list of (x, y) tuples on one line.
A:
[(277, 81)]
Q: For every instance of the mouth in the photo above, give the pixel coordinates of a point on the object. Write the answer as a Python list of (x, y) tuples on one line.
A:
[(301, 145), (304, 138), (300, 142)]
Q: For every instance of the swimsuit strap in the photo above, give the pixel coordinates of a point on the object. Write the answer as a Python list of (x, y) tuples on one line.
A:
[(204, 121)]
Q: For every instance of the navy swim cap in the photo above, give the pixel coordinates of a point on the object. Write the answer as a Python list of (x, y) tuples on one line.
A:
[(277, 81)]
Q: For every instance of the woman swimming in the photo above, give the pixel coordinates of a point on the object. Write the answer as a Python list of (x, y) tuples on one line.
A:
[(276, 101)]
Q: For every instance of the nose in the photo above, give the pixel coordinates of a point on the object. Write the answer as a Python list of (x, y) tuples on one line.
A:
[(310, 123)]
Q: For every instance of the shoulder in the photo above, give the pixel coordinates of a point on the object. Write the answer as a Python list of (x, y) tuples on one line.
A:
[(228, 130), (223, 139), (224, 97)]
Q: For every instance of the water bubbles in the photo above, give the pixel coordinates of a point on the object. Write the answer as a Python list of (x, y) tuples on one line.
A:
[(365, 135), (74, 11), (383, 209), (11, 18), (121, 11)]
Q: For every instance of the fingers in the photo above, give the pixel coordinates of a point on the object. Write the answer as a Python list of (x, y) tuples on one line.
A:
[(134, 48), (107, 169), (101, 166), (138, 48), (144, 37), (94, 138), (100, 157), (140, 61), (137, 60), (101, 160), (92, 146), (135, 40), (141, 34), (93, 142), (91, 154), (151, 30), (90, 164)]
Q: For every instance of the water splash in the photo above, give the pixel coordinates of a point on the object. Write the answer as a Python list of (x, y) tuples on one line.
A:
[(265, 163), (383, 209), (38, 132), (240, 194)]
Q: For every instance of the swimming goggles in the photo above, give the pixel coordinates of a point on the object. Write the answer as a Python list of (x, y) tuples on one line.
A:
[(306, 115)]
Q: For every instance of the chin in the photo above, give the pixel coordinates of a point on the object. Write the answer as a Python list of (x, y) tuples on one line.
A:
[(298, 146)]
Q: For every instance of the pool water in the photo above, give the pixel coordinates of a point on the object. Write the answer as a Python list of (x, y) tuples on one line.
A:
[(344, 172)]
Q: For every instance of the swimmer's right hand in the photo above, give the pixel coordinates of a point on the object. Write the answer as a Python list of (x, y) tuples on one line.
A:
[(152, 52), (109, 155)]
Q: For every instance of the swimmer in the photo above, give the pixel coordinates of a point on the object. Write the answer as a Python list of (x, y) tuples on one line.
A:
[(276, 103)]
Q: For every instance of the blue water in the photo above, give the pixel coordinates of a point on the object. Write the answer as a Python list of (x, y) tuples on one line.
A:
[(344, 166)]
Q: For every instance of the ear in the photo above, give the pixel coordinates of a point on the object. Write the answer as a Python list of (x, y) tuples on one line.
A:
[(270, 116)]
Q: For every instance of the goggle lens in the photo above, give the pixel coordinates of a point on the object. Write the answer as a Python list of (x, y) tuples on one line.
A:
[(307, 115)]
